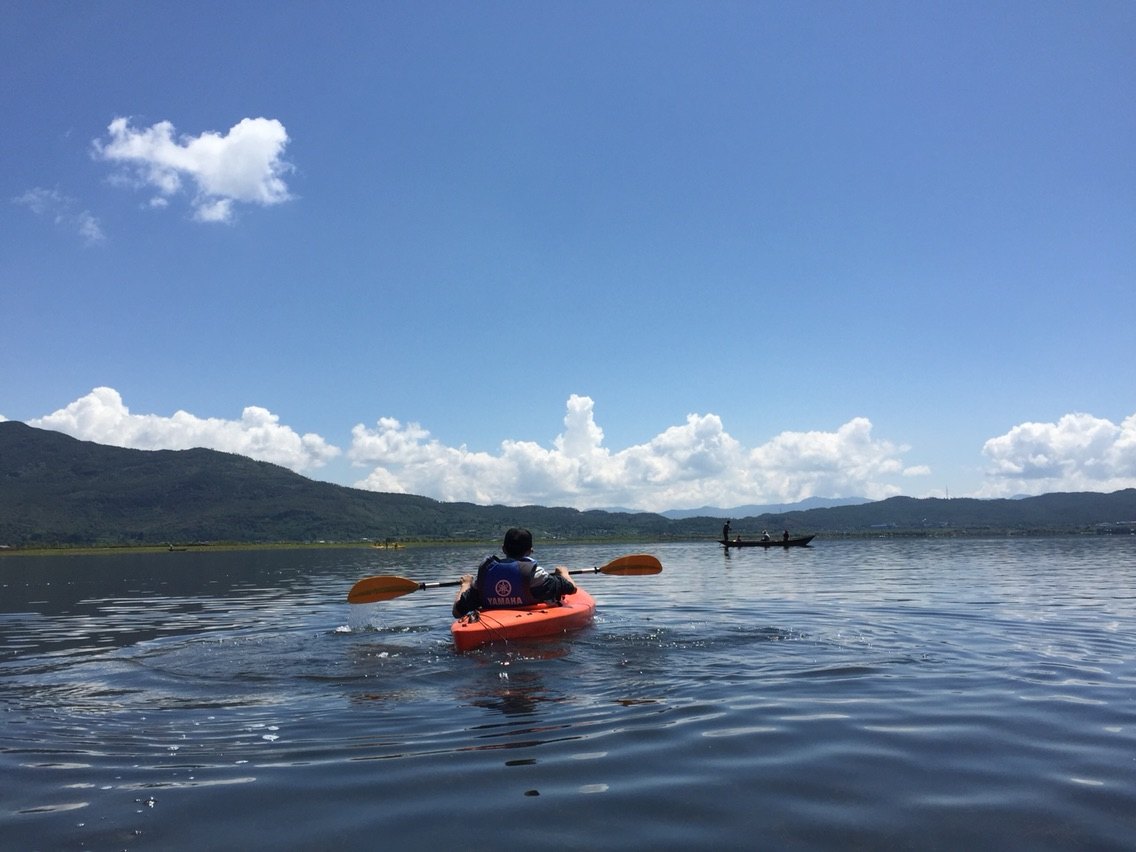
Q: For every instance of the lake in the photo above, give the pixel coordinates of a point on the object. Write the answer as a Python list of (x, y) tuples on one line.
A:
[(872, 694)]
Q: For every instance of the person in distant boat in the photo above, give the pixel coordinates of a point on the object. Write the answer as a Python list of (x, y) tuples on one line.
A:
[(516, 580), (726, 530), (765, 535), (785, 535)]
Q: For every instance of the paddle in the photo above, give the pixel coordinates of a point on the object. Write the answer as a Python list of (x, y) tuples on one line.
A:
[(385, 588)]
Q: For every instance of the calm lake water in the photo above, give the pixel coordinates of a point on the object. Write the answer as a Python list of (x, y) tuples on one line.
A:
[(870, 694)]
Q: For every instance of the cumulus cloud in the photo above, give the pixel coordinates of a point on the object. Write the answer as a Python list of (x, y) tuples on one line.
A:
[(696, 463), (1077, 453), (101, 416), (64, 211), (688, 465), (244, 165)]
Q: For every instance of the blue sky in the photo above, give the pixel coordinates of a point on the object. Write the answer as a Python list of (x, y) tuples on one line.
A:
[(654, 255)]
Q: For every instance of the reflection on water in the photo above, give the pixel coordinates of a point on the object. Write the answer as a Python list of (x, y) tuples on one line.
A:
[(933, 694)]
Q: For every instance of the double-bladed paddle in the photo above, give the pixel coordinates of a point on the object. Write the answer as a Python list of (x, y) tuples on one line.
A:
[(385, 588)]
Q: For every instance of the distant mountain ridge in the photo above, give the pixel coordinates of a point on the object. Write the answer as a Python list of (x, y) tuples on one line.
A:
[(59, 491), (766, 509)]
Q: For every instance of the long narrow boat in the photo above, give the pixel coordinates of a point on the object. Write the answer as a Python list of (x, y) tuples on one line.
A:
[(500, 625), (798, 541)]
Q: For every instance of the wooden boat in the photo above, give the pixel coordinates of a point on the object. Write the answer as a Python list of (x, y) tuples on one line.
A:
[(796, 541)]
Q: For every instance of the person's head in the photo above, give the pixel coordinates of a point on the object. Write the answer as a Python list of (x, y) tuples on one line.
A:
[(517, 543)]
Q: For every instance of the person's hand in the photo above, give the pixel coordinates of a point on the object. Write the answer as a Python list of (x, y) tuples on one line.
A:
[(562, 571), (466, 581)]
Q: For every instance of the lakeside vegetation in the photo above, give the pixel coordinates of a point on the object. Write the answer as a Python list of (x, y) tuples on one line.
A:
[(114, 549), (60, 494)]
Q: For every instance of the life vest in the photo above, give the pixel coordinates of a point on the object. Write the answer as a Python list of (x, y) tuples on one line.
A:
[(504, 583)]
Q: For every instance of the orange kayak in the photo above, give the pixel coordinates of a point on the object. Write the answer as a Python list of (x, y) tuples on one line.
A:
[(503, 625)]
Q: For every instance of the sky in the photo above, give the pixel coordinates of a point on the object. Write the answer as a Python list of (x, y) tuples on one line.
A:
[(648, 255)]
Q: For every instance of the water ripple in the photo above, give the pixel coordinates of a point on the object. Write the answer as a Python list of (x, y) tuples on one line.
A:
[(870, 694)]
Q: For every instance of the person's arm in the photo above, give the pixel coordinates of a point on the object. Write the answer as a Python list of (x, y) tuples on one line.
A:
[(550, 587), (567, 587), (467, 599)]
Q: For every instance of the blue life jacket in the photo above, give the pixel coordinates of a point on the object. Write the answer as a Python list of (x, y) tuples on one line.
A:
[(503, 583)]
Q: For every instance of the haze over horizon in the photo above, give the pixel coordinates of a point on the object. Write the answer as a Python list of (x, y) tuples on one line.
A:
[(656, 256)]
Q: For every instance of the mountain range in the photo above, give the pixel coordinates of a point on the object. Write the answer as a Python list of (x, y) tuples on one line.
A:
[(59, 491), (753, 510)]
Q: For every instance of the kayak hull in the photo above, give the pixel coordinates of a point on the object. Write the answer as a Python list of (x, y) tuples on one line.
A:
[(503, 625)]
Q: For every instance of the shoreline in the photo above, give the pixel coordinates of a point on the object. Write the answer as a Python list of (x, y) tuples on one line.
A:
[(206, 547)]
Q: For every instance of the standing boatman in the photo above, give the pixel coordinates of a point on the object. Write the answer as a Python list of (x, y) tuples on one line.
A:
[(726, 531)]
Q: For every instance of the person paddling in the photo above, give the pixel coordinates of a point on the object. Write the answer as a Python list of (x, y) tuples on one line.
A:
[(516, 580)]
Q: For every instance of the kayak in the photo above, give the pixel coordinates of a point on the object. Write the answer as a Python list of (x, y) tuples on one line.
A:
[(543, 619)]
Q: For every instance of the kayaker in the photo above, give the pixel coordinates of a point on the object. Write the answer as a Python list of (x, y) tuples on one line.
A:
[(516, 580)]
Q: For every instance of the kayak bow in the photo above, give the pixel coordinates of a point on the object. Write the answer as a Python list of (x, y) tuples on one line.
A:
[(543, 619)]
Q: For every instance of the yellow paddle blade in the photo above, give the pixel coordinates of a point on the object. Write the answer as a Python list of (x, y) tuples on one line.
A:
[(372, 589), (635, 563)]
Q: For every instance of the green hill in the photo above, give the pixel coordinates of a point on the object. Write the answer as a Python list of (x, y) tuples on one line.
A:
[(1046, 514), (56, 490)]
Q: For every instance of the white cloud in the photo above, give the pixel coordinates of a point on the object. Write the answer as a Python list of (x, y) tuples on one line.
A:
[(102, 417), (62, 209), (692, 464), (1077, 453), (89, 228), (245, 165), (697, 463)]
